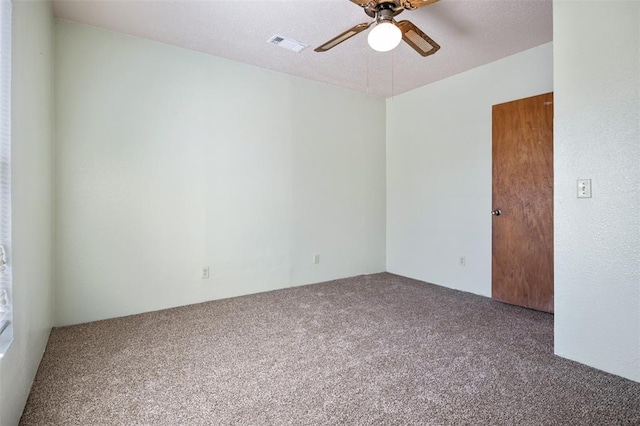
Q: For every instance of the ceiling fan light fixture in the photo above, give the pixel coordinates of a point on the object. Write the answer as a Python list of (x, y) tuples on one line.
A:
[(385, 36)]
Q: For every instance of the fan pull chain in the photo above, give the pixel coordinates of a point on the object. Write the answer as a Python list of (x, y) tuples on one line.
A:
[(368, 58), (393, 57)]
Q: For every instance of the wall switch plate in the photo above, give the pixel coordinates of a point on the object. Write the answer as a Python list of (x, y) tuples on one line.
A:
[(205, 273), (463, 261), (316, 259), (584, 188)]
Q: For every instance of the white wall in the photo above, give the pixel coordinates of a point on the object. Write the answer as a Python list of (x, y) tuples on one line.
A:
[(597, 136), (168, 160), (31, 202), (439, 169)]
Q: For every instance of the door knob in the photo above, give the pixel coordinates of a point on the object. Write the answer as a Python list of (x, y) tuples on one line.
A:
[(497, 212)]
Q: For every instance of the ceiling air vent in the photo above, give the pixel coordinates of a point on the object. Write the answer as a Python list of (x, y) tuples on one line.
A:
[(287, 43)]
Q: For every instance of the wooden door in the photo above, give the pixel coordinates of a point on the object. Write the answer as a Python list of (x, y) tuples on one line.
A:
[(522, 258)]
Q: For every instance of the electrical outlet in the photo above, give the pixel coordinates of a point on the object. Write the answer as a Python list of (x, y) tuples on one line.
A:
[(316, 259), (463, 261), (205, 272)]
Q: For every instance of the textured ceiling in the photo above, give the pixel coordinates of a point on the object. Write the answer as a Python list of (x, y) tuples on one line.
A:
[(471, 33)]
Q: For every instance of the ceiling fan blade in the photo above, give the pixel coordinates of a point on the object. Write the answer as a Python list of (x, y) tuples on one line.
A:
[(419, 41), (362, 3), (344, 36), (369, 6), (414, 4)]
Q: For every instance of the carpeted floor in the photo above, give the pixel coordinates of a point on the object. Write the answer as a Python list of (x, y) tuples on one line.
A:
[(377, 349)]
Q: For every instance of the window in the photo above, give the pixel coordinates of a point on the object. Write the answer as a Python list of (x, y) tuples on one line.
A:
[(6, 318)]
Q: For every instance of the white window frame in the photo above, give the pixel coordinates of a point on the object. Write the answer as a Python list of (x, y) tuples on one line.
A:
[(6, 311)]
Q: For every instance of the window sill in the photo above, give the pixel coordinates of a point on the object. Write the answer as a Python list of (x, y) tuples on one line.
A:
[(6, 337)]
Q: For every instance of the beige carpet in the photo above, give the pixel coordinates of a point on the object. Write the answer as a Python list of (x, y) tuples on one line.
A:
[(378, 349)]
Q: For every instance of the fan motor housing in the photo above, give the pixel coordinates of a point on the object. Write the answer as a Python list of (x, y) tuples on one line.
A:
[(386, 8)]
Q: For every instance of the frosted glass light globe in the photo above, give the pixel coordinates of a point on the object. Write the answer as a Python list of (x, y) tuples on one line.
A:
[(384, 37)]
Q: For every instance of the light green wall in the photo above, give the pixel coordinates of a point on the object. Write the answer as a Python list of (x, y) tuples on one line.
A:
[(32, 152), (169, 160), (439, 169), (597, 137)]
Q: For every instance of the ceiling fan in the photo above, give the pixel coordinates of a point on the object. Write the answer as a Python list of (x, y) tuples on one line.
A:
[(387, 33)]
